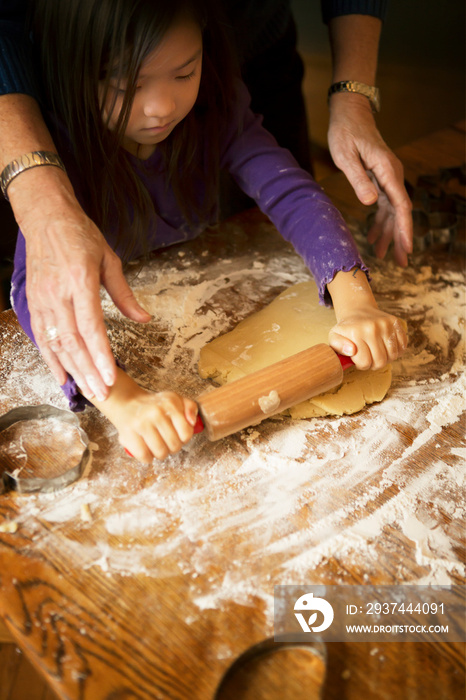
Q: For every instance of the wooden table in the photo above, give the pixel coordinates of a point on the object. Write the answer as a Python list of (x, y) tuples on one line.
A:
[(148, 582)]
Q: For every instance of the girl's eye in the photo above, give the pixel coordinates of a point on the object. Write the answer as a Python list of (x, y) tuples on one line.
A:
[(121, 91), (117, 89), (186, 77)]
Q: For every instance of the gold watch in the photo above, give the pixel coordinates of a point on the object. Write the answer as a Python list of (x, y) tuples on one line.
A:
[(372, 93), (28, 160)]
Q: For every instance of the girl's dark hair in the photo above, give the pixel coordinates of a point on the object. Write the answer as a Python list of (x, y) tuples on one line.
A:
[(80, 42)]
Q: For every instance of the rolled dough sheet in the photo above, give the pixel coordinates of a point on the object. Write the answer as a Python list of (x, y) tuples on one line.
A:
[(293, 322)]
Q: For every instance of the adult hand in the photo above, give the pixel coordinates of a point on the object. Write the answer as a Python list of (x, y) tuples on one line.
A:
[(67, 260), (373, 171)]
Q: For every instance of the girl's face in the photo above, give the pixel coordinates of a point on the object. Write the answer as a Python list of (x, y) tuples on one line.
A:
[(167, 89)]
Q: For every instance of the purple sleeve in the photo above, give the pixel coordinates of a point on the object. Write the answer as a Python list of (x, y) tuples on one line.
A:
[(20, 305), (296, 205)]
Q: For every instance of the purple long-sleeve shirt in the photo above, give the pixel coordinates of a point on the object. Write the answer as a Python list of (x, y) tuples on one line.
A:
[(294, 202)]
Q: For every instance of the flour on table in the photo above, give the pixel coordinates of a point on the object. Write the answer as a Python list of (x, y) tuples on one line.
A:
[(278, 503)]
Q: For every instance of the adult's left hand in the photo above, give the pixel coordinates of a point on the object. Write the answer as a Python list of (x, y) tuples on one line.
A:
[(374, 172)]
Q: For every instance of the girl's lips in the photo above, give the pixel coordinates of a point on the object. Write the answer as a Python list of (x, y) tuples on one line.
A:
[(158, 129)]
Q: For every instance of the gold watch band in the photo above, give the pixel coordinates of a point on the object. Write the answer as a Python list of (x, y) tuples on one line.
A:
[(24, 162), (372, 93)]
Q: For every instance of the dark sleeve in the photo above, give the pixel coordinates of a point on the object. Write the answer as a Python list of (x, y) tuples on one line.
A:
[(16, 65), (336, 8)]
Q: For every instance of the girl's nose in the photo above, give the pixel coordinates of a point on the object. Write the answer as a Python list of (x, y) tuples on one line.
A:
[(160, 104)]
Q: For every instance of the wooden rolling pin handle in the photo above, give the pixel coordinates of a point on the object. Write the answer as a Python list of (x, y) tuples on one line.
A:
[(249, 400)]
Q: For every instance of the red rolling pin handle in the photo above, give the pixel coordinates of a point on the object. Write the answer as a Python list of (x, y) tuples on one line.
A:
[(199, 425), (345, 362)]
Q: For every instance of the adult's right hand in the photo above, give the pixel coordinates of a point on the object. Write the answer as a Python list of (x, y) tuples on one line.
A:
[(374, 172), (67, 258)]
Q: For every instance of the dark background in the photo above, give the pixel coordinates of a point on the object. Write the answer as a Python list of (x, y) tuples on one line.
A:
[(421, 71)]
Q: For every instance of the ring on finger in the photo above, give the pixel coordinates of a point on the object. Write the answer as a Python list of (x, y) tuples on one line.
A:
[(51, 333)]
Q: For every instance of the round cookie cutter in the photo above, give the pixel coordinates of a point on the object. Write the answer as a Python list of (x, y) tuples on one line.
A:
[(266, 651), (12, 482)]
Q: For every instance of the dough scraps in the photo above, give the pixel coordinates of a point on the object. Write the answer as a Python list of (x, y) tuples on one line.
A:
[(293, 322)]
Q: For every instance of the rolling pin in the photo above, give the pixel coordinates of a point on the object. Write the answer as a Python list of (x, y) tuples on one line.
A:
[(251, 399)]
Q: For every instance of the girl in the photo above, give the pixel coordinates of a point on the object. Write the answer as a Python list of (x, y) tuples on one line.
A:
[(147, 109)]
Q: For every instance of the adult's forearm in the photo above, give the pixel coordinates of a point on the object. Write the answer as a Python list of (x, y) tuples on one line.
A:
[(67, 257), (22, 128), (355, 43)]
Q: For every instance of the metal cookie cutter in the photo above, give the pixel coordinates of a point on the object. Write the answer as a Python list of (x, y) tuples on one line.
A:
[(438, 211), (255, 662), (11, 482)]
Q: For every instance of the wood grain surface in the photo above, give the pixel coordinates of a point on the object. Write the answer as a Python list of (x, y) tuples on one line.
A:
[(144, 582)]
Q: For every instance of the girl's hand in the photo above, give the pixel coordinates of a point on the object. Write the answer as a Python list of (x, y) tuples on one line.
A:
[(156, 425), (372, 338), (149, 424)]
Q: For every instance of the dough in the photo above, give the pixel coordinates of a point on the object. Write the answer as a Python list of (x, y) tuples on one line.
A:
[(293, 322)]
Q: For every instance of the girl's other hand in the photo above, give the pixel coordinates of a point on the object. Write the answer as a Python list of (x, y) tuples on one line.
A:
[(149, 424), (156, 425), (372, 338)]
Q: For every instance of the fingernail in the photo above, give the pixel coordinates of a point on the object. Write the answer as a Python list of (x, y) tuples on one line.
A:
[(108, 377), (348, 349), (92, 384), (144, 311), (105, 370)]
